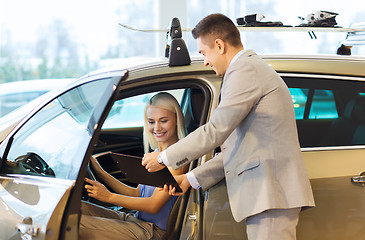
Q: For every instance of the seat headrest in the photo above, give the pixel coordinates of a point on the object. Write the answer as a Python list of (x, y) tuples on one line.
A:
[(355, 110)]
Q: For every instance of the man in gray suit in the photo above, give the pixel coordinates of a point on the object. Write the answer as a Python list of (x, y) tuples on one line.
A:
[(254, 124)]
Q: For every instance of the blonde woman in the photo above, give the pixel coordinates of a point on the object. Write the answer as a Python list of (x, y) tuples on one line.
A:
[(163, 126)]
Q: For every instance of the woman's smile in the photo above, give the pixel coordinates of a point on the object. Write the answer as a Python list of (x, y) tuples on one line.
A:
[(162, 124), (159, 134)]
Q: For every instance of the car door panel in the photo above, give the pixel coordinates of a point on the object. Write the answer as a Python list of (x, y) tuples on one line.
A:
[(340, 206), (339, 211), (32, 197), (334, 162), (219, 222)]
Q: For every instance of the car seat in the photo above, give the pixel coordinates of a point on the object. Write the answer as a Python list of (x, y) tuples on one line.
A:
[(194, 109), (349, 129)]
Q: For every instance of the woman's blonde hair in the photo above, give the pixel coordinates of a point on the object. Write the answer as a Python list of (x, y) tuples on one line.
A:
[(166, 101)]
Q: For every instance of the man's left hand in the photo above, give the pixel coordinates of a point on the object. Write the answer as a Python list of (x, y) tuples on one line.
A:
[(149, 161)]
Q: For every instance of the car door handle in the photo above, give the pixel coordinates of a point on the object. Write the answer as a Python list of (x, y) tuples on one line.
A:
[(358, 179), (27, 229)]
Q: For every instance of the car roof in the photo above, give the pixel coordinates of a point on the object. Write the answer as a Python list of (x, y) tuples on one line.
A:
[(316, 64), (320, 64)]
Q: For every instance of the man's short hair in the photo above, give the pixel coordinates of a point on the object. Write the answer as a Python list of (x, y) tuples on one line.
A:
[(216, 26)]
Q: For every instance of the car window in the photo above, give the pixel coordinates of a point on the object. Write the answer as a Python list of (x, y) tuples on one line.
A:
[(129, 112), (323, 105), (299, 96), (54, 141), (329, 112)]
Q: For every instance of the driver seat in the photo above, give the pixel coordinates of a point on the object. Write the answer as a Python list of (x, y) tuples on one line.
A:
[(349, 129)]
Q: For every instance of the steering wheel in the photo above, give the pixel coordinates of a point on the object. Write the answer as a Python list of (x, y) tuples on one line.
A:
[(33, 163), (89, 174), (85, 197)]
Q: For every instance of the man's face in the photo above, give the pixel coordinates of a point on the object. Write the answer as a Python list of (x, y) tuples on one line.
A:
[(212, 55)]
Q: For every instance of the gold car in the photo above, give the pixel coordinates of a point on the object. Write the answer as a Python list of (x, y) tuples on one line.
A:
[(44, 159)]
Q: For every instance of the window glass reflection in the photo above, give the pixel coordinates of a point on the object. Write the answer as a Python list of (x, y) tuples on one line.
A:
[(53, 142)]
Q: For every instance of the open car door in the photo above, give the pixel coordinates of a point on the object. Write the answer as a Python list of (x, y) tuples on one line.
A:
[(43, 161)]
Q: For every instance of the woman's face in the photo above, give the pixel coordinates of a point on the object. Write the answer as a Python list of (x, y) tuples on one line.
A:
[(162, 125)]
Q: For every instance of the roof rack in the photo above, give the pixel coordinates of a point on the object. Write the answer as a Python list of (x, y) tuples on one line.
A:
[(177, 51), (178, 54)]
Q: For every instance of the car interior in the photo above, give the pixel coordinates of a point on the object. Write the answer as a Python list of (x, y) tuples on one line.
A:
[(349, 129), (194, 102)]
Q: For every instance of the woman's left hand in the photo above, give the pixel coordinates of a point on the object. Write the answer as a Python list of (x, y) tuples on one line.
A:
[(97, 190)]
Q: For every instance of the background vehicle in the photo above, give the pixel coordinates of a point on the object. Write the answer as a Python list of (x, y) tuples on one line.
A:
[(16, 94)]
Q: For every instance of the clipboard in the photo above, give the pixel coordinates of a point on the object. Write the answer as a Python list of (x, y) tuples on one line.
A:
[(136, 173)]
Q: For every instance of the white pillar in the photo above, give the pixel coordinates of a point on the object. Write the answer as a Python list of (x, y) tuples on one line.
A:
[(167, 10)]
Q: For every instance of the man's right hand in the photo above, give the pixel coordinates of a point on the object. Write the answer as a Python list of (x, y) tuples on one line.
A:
[(183, 182)]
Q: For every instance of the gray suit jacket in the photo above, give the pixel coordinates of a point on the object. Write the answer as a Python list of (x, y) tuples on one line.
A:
[(255, 126)]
